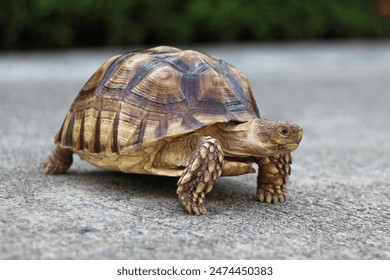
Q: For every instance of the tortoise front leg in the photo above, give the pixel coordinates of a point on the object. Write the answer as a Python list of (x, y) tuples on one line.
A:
[(58, 161), (273, 177), (202, 170)]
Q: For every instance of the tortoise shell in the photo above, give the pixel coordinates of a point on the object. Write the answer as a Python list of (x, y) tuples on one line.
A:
[(141, 97)]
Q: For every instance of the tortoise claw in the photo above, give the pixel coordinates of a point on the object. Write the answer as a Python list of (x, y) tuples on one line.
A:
[(268, 197), (193, 205)]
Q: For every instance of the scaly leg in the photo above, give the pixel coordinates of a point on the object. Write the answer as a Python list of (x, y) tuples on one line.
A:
[(202, 170), (58, 161), (273, 177)]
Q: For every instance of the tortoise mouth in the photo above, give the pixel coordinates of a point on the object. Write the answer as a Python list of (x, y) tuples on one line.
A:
[(287, 147)]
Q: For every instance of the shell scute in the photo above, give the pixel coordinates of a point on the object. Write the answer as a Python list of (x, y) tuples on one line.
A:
[(161, 79)]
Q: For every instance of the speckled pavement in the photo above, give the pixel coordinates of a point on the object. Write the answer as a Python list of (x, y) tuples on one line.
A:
[(338, 197)]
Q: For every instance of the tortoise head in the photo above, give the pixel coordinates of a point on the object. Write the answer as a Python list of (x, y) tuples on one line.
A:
[(260, 138), (270, 137)]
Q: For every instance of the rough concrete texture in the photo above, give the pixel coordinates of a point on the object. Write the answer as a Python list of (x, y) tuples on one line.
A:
[(338, 205)]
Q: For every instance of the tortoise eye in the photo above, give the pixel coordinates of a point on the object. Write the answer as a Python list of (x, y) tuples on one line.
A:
[(284, 131)]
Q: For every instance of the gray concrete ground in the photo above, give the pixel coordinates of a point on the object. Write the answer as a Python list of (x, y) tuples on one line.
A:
[(339, 192)]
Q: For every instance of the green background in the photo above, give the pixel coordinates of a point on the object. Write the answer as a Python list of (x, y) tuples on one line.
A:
[(26, 24)]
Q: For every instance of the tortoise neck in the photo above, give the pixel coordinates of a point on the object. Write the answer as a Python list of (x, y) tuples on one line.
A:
[(232, 137)]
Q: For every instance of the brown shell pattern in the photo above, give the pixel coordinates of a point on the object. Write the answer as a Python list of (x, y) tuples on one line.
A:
[(140, 97)]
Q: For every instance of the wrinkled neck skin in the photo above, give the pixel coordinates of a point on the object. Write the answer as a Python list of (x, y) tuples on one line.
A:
[(239, 140)]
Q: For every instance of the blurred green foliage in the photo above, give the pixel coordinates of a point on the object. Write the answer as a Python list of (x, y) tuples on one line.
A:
[(62, 23)]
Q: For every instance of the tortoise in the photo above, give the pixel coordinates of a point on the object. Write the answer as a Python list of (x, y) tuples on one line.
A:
[(172, 112)]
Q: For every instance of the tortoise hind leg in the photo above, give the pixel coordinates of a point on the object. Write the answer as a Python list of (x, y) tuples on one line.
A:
[(203, 169), (273, 177), (58, 161)]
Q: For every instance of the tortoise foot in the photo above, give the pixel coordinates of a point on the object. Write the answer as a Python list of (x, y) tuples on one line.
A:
[(272, 178), (58, 161), (193, 203), (203, 169), (264, 195)]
